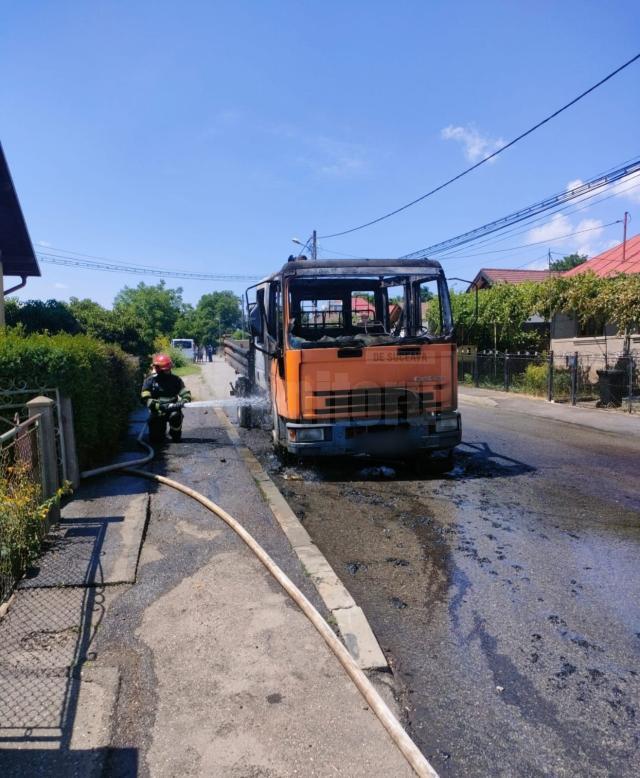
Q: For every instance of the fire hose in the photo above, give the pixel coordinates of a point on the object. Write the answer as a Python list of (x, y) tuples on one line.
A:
[(398, 735)]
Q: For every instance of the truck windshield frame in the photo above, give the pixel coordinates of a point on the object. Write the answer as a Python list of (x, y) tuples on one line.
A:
[(327, 309)]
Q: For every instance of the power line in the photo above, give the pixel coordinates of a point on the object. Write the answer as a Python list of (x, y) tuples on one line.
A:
[(535, 243), (486, 159), (111, 267), (528, 212), (510, 233)]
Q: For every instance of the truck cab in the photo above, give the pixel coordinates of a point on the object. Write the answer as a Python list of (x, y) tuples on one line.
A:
[(357, 357)]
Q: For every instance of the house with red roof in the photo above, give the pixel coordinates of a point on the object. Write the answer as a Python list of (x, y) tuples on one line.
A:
[(489, 276), (568, 335)]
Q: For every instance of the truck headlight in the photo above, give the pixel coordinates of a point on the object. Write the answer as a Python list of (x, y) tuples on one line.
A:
[(306, 434), (447, 425)]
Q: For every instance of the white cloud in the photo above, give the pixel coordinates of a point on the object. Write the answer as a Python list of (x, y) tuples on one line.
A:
[(595, 225), (59, 285), (476, 146), (574, 184), (576, 242), (629, 188), (44, 243), (557, 226)]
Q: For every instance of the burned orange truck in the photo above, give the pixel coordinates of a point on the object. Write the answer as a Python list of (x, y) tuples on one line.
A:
[(356, 357)]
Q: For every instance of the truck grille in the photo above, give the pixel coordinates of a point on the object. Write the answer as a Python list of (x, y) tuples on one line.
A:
[(381, 403)]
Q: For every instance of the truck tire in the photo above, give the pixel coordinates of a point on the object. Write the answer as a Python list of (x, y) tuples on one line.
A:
[(244, 416)]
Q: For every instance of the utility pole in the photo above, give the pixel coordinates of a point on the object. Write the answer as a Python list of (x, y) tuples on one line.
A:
[(314, 246), (549, 258), (624, 239)]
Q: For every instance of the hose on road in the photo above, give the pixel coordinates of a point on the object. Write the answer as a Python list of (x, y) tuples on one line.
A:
[(401, 739)]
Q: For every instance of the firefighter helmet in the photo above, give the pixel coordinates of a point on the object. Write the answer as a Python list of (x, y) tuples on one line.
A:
[(162, 362)]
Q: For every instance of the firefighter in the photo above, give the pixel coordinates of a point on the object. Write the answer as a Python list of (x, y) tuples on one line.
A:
[(164, 395)]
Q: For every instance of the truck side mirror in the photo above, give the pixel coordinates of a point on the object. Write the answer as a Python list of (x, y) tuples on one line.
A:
[(256, 321)]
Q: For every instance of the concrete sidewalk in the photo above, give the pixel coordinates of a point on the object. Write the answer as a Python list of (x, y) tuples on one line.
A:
[(615, 421), (203, 666)]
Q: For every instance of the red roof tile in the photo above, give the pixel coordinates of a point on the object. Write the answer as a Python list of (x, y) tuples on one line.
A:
[(610, 262), (488, 276)]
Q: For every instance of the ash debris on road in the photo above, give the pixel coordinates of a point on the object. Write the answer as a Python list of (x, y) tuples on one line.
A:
[(502, 592)]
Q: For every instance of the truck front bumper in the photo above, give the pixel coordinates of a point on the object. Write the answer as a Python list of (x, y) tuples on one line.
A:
[(433, 432)]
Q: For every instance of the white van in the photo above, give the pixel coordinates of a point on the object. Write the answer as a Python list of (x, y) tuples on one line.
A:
[(185, 345)]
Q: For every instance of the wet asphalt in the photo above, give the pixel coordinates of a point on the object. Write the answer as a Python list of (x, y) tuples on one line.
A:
[(505, 594)]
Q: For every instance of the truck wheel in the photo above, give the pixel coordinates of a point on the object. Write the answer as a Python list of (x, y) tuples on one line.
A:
[(244, 416)]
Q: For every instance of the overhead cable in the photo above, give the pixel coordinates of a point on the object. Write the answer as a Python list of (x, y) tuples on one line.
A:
[(487, 158), (528, 212), (507, 234), (534, 243), (111, 267)]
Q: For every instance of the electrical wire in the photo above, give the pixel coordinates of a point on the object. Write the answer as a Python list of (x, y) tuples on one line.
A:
[(489, 157), (111, 267), (517, 230), (526, 213), (534, 243)]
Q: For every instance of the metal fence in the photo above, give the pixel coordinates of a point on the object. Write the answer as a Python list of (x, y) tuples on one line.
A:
[(14, 409), (611, 381), (22, 525)]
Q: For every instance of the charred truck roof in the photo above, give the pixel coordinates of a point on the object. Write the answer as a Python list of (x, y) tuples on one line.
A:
[(349, 267)]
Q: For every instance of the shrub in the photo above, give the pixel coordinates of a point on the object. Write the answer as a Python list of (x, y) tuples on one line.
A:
[(534, 380), (23, 516), (162, 344), (102, 381), (535, 377)]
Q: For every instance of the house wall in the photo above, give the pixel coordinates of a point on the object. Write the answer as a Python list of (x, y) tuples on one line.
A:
[(593, 351)]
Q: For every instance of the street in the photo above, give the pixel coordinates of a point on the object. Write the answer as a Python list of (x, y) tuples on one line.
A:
[(504, 594)]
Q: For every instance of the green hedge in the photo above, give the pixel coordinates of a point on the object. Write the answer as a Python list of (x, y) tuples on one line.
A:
[(102, 381)]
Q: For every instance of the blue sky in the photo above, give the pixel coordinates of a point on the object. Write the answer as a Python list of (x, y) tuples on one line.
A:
[(205, 135)]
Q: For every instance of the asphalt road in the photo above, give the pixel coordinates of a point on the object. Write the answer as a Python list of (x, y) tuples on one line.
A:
[(505, 594)]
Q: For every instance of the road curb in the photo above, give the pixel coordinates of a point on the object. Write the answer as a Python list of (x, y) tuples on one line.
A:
[(355, 629)]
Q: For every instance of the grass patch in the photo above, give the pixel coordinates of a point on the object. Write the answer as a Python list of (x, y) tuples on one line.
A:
[(188, 369)]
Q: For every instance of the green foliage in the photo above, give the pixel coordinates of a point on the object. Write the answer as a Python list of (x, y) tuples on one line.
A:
[(41, 316), (614, 299), (23, 515), (568, 262), (215, 314), (102, 381), (154, 308), (122, 327), (502, 311), (535, 379), (162, 345)]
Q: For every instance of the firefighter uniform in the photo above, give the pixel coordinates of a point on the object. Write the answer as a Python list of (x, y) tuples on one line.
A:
[(158, 390)]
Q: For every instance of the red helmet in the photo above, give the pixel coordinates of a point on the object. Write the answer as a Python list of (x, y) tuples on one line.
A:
[(162, 362)]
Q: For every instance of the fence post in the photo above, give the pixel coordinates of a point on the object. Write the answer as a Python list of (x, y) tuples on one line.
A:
[(46, 443), (68, 434), (476, 375), (630, 363), (574, 377), (506, 372), (550, 377)]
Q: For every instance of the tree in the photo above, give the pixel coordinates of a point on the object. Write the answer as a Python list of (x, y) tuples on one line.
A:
[(215, 314), (42, 316), (122, 327), (568, 262), (155, 308)]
